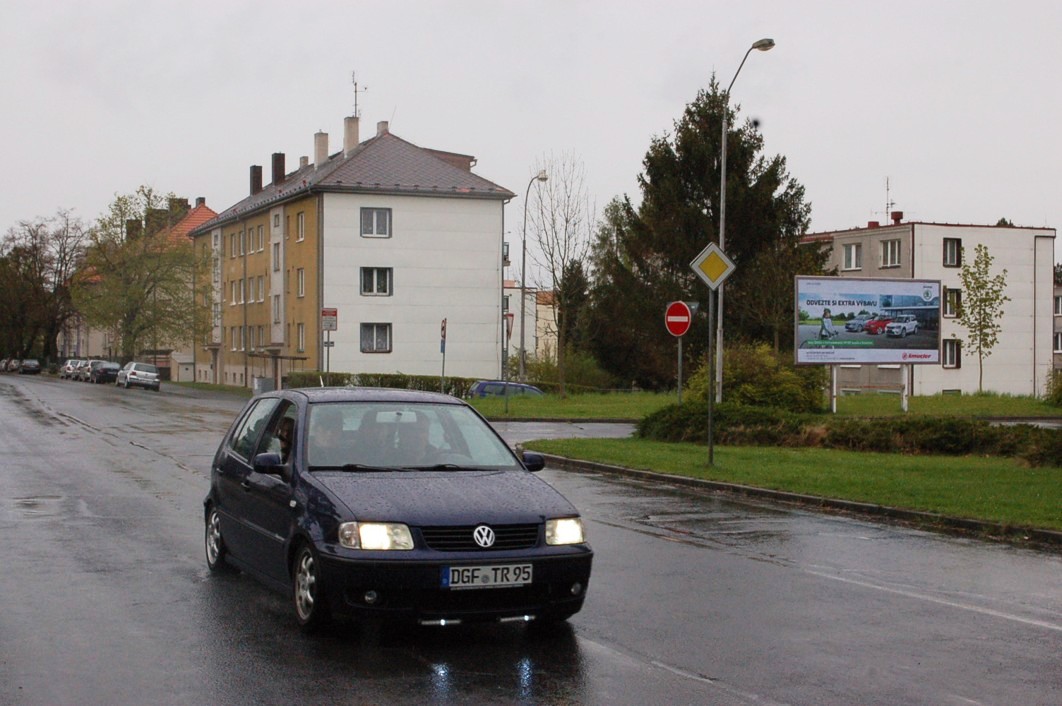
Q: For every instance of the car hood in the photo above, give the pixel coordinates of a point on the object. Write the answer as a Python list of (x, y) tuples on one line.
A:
[(424, 498)]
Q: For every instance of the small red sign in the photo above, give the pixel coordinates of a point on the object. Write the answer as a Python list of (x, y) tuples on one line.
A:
[(677, 318)]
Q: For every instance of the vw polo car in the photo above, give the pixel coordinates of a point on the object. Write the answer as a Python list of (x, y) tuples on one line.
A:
[(391, 504)]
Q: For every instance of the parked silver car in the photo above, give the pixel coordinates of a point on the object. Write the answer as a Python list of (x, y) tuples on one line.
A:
[(135, 374), (68, 368)]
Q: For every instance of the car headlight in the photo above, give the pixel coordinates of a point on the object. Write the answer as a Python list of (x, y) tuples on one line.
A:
[(375, 535), (567, 530)]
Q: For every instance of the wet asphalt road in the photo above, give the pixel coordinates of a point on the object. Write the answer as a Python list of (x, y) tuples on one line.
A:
[(694, 599)]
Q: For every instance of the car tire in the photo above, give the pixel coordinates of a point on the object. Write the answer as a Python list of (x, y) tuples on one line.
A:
[(216, 551), (307, 590)]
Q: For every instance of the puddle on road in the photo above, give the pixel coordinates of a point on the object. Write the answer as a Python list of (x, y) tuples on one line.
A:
[(37, 506)]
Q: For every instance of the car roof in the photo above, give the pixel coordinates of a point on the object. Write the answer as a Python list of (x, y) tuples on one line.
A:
[(313, 395)]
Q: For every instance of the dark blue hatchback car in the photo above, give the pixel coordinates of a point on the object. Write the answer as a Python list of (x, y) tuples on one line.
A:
[(391, 504)]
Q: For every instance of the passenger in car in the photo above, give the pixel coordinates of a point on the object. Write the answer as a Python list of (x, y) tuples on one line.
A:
[(285, 435), (328, 446)]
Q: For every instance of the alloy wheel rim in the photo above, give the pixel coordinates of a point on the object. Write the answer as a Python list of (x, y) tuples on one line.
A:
[(213, 537), (305, 585)]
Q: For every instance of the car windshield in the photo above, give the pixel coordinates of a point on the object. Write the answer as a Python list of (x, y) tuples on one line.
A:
[(377, 436)]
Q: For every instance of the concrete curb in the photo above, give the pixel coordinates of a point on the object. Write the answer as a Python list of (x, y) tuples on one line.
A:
[(1025, 536)]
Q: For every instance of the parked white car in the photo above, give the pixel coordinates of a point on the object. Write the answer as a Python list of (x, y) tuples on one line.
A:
[(902, 326), (136, 374)]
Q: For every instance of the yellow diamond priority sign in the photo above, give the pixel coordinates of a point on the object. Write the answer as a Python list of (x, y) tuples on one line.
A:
[(712, 266)]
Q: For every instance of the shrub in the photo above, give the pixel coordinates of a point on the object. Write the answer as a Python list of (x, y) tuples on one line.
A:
[(732, 423), (755, 375), (581, 373), (1054, 389)]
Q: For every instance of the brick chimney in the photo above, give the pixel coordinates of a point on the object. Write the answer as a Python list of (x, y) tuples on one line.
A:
[(278, 168), (256, 178), (320, 149), (382, 128), (350, 135), (200, 201), (897, 216)]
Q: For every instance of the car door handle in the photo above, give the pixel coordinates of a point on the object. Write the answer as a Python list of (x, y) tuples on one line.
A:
[(246, 485)]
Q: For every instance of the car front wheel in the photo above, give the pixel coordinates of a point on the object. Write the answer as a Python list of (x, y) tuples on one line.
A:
[(215, 543), (311, 609)]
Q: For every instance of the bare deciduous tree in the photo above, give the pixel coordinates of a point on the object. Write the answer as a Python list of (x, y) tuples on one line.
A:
[(562, 219)]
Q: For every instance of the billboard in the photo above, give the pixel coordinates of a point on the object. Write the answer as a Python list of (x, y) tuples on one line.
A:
[(867, 321)]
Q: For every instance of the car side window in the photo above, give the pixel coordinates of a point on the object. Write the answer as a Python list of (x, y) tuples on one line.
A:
[(246, 436), (281, 435)]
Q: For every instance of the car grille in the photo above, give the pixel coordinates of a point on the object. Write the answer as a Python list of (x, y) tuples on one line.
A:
[(456, 539)]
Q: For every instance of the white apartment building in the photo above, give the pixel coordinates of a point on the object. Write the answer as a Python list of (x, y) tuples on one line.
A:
[(1021, 361)]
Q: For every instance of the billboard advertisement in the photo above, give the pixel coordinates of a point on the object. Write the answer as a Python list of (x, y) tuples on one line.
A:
[(867, 321)]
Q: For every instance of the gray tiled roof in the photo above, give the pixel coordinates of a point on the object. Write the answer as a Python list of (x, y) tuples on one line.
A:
[(383, 164)]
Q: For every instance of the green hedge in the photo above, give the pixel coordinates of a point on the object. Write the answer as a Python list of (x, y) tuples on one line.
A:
[(742, 425)]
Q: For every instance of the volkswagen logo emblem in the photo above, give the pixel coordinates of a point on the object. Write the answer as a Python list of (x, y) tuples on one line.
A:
[(484, 536)]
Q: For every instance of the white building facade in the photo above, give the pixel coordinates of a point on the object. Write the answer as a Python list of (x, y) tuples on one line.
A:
[(1021, 361)]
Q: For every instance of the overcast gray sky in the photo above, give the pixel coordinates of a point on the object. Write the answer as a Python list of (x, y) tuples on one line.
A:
[(956, 102)]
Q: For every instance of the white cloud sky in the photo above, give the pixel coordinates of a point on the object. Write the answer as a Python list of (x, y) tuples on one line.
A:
[(955, 102)]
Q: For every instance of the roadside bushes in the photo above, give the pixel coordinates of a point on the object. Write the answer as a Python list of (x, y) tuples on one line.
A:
[(1054, 389), (755, 375), (741, 425)]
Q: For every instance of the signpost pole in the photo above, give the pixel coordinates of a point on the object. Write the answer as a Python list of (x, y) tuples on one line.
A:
[(711, 392), (328, 359), (680, 370), (442, 349)]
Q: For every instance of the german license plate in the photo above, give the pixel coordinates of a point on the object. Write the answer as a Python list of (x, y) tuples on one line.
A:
[(462, 577)]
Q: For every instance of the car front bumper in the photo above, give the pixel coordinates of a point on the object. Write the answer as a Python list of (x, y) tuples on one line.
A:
[(412, 590)]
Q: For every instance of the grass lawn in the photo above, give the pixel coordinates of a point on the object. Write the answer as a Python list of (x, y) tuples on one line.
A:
[(989, 489)]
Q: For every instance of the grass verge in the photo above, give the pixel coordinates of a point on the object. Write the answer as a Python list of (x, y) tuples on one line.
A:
[(988, 489)]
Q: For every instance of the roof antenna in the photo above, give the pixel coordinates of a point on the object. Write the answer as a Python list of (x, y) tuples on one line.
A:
[(354, 80), (889, 203)]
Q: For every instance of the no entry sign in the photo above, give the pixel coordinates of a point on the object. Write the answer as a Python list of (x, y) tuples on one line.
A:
[(677, 318)]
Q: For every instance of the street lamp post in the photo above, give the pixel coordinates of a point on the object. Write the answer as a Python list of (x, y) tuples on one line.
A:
[(541, 176), (761, 45)]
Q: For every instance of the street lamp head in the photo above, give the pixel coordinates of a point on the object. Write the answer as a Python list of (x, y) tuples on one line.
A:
[(542, 176), (765, 44)]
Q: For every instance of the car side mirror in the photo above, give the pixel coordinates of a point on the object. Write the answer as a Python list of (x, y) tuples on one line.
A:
[(269, 464), (533, 461)]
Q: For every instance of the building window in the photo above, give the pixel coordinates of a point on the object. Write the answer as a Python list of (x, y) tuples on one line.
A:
[(952, 252), (300, 225), (261, 288), (261, 238), (376, 281), (952, 301), (1058, 306), (505, 302), (890, 253), (952, 353), (300, 333), (300, 282), (233, 283), (232, 245), (276, 257), (376, 223), (261, 336), (376, 338), (1058, 342), (243, 242), (243, 291), (232, 337), (276, 308), (276, 220), (853, 256)]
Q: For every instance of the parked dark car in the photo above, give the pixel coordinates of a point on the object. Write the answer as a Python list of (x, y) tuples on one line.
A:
[(135, 374), (103, 371), (391, 504), (29, 366), (496, 388)]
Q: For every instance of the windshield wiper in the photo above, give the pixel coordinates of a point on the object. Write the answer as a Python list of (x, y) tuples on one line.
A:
[(358, 467)]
